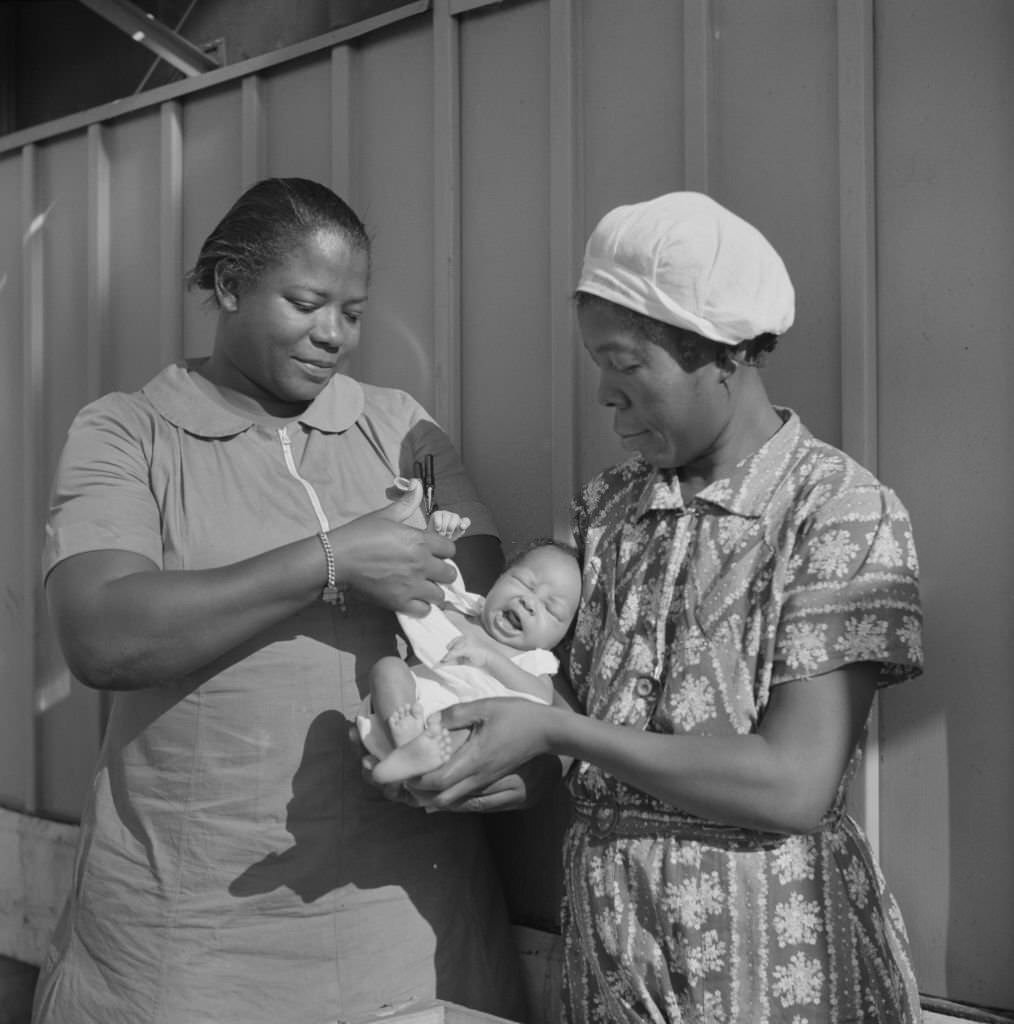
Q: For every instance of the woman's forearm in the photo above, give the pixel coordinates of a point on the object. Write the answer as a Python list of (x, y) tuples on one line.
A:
[(735, 779), (124, 624), (781, 778)]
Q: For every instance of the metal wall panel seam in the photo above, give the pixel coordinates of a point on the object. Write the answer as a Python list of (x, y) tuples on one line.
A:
[(255, 65), (32, 367), (98, 329), (171, 233), (856, 161), (253, 134), (98, 256), (696, 94), (343, 144), (98, 262), (566, 201), (341, 123), (447, 381), (857, 227)]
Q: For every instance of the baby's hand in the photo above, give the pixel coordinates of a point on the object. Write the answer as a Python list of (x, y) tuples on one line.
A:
[(464, 651), (449, 524)]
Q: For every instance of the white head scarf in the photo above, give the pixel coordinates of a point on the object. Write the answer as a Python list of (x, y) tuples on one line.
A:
[(685, 260)]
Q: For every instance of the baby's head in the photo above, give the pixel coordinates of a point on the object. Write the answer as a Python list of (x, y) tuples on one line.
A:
[(533, 602)]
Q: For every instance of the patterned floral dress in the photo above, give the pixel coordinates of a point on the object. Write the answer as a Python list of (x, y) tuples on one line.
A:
[(799, 563)]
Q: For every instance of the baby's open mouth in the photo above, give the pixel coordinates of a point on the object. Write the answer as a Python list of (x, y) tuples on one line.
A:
[(512, 618)]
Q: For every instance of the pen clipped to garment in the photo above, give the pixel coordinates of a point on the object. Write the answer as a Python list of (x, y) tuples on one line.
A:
[(425, 472)]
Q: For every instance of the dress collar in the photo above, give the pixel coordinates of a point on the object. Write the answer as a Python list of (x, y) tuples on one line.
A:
[(746, 491), (186, 405)]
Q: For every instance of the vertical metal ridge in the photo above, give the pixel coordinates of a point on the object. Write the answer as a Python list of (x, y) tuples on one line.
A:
[(857, 198), (171, 233), (98, 256), (253, 136), (342, 143), (447, 221), (99, 248), (696, 94), (32, 434), (857, 233), (341, 123), (565, 249)]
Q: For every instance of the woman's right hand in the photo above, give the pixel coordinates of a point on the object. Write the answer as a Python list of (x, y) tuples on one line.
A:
[(125, 623), (392, 564)]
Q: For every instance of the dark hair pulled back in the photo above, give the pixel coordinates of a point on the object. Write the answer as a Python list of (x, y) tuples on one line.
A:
[(689, 349), (268, 221)]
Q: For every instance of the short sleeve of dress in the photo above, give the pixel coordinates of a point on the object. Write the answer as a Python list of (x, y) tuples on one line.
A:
[(101, 496), (852, 591)]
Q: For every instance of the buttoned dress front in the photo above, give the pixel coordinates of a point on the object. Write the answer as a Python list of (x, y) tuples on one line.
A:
[(233, 866), (799, 563)]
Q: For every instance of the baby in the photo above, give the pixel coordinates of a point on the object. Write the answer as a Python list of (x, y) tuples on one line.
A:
[(471, 647)]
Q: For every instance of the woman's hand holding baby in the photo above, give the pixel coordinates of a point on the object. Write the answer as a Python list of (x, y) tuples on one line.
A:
[(390, 562), (504, 734)]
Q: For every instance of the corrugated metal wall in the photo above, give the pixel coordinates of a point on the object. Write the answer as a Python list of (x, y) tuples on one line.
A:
[(480, 142)]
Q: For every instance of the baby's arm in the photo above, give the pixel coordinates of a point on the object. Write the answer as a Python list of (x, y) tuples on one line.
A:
[(467, 650), (449, 524), (443, 521)]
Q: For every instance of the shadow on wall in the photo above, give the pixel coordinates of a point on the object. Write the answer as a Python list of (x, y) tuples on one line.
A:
[(17, 985)]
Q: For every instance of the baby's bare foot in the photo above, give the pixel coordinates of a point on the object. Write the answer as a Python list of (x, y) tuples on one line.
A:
[(406, 723), (429, 750)]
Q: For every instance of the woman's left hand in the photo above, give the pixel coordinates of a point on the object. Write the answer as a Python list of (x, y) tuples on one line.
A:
[(494, 768), (523, 788)]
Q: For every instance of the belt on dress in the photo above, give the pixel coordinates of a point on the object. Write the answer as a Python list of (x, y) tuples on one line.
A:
[(608, 819)]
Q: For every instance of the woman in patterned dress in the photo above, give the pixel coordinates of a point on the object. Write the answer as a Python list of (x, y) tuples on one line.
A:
[(747, 588)]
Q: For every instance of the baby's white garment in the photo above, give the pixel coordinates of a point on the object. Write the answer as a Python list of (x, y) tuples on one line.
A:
[(438, 685)]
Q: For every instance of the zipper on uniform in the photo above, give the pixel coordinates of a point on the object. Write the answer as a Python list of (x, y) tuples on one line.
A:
[(318, 509)]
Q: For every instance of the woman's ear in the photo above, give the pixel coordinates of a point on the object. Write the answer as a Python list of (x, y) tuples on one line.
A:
[(726, 364), (226, 290)]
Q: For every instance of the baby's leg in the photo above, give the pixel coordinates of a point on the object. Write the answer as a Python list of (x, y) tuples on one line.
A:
[(392, 690), (429, 750)]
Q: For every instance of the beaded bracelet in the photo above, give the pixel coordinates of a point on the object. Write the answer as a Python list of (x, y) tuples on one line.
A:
[(330, 594)]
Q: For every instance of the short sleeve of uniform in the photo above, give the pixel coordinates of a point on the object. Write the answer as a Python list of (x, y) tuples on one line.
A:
[(852, 590), (101, 497)]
